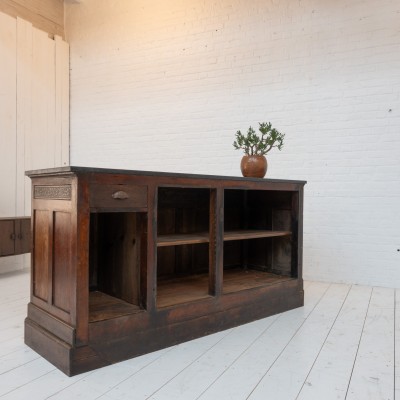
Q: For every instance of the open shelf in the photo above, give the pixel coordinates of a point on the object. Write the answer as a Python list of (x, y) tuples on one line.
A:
[(241, 279), (183, 216), (117, 252), (191, 288), (182, 290), (193, 238), (102, 307), (258, 243)]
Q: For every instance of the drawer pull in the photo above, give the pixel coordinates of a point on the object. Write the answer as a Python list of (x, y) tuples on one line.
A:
[(120, 195)]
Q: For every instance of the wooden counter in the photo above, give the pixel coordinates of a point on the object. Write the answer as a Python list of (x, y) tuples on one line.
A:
[(128, 262)]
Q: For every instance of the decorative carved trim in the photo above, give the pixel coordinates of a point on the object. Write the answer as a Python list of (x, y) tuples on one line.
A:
[(52, 192)]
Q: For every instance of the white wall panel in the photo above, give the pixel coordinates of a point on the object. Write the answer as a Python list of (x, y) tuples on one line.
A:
[(8, 114), (41, 144), (62, 102), (34, 108), (24, 107), (34, 113)]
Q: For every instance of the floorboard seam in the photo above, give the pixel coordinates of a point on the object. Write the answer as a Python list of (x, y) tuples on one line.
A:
[(237, 358), (319, 352), (287, 344), (359, 342), (136, 372), (191, 363), (394, 346), (27, 383)]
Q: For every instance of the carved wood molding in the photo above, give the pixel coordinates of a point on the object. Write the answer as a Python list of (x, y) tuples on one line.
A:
[(52, 192)]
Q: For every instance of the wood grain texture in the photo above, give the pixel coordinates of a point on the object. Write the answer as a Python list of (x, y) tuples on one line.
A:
[(47, 15), (62, 330), (115, 255), (23, 235), (7, 237), (103, 306), (182, 290), (193, 238), (41, 262), (180, 239), (216, 254), (62, 261), (15, 236), (178, 291), (118, 196)]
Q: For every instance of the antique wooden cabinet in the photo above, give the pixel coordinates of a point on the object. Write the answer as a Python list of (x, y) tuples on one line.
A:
[(127, 262)]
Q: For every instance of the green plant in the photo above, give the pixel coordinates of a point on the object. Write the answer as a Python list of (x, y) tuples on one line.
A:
[(255, 145)]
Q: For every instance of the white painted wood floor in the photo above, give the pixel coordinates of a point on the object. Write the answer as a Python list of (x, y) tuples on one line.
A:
[(340, 345)]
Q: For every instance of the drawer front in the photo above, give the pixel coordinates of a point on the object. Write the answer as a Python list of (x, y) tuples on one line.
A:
[(118, 196)]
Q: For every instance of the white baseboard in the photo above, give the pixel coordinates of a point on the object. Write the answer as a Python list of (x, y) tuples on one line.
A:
[(15, 263)]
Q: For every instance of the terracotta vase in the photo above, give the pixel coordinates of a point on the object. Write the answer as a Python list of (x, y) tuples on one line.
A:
[(254, 166)]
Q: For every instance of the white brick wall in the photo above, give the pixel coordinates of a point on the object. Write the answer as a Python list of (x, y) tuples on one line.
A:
[(164, 85)]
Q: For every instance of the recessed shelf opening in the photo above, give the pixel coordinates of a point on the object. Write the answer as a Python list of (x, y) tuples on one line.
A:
[(183, 216), (261, 251), (117, 257)]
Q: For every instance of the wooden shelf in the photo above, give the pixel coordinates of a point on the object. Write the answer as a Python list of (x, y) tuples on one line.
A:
[(102, 307), (253, 234), (176, 291), (193, 238), (182, 290), (182, 238), (237, 279)]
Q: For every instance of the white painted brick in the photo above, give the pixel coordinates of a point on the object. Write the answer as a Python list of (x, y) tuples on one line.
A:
[(165, 85)]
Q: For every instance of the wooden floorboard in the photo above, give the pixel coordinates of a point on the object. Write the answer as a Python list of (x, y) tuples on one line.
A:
[(329, 376), (373, 373), (343, 344), (299, 355)]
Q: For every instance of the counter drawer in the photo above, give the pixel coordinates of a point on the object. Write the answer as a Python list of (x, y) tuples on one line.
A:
[(117, 196)]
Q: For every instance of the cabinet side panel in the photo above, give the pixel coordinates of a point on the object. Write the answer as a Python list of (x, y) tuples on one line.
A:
[(282, 256), (62, 261), (282, 246), (41, 254)]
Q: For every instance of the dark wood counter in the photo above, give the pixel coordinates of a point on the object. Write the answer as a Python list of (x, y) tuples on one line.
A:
[(128, 262)]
